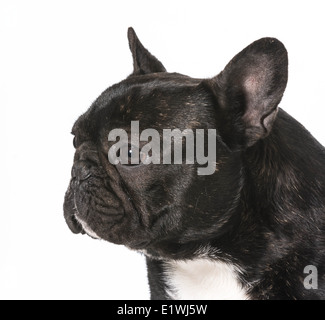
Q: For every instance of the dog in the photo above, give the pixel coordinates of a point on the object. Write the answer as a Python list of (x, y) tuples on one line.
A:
[(254, 228)]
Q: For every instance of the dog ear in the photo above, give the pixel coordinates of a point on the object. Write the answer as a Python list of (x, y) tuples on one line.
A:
[(143, 61), (248, 92)]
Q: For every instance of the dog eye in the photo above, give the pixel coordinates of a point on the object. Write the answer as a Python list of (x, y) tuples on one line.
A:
[(142, 156), (129, 152), (123, 155)]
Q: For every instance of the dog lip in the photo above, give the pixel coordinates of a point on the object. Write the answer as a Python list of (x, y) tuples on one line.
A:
[(86, 229), (82, 224), (69, 212), (75, 213)]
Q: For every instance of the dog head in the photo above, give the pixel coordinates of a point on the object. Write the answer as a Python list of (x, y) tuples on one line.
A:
[(161, 207)]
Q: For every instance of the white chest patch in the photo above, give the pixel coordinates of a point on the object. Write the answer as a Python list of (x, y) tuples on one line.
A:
[(203, 279)]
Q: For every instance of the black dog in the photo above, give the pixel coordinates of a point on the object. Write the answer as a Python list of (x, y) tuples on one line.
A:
[(254, 229)]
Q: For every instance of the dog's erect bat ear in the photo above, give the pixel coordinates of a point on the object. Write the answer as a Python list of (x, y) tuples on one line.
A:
[(143, 61), (248, 92)]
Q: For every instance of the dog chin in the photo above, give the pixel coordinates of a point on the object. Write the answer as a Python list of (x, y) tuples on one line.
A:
[(87, 229)]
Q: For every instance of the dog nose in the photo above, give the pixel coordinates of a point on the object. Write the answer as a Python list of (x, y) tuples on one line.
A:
[(81, 170)]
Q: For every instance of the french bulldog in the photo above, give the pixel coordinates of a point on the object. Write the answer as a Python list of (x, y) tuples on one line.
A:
[(254, 228)]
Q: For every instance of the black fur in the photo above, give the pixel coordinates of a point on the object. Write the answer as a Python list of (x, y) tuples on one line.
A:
[(264, 207)]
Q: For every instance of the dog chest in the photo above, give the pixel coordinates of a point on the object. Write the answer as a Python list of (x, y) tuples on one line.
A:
[(203, 279)]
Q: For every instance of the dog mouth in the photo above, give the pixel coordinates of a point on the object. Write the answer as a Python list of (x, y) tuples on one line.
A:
[(85, 229), (105, 220), (76, 220), (69, 212), (72, 216)]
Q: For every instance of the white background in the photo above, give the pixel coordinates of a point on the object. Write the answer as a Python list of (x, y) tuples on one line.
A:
[(56, 57)]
